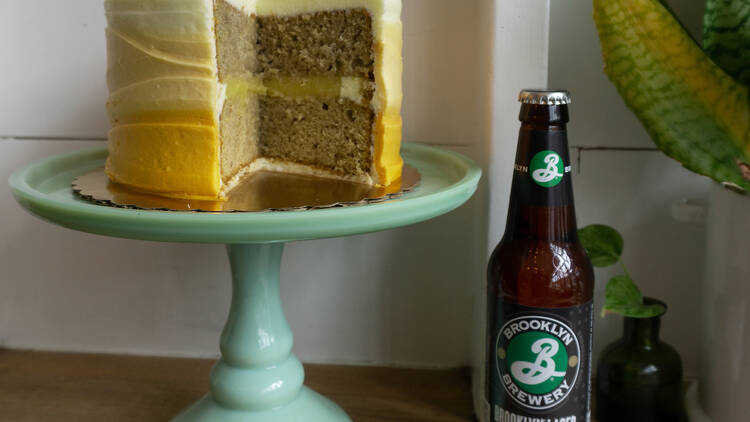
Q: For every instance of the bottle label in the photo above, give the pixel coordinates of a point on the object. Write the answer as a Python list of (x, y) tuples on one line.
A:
[(540, 364), (547, 169), (543, 168)]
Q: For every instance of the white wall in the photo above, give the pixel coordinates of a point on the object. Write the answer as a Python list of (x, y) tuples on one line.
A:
[(634, 190), (518, 58), (52, 60), (401, 297)]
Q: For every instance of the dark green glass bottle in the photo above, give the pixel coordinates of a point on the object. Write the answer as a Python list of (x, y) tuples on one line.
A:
[(639, 377)]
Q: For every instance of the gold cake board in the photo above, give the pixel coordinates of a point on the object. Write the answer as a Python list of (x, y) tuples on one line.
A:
[(261, 192)]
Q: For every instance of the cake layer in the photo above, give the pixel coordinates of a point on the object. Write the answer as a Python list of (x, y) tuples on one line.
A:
[(331, 43), (239, 134), (328, 133), (236, 37)]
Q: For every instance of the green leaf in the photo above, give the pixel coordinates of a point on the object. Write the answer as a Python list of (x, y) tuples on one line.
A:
[(603, 244), (694, 111), (726, 36), (623, 297), (622, 293)]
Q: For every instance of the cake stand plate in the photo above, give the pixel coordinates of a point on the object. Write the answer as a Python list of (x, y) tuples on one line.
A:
[(257, 379)]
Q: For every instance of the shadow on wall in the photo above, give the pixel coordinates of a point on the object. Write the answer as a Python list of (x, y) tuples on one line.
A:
[(403, 297), (441, 85)]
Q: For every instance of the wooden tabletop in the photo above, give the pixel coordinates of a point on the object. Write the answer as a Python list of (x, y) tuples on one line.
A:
[(57, 387)]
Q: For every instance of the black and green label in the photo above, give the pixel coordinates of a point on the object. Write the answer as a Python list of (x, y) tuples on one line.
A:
[(542, 171), (539, 364), (547, 169)]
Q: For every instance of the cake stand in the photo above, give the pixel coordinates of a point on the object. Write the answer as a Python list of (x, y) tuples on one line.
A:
[(257, 379)]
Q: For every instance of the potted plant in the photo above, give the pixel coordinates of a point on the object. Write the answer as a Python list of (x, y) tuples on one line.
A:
[(638, 377), (693, 100)]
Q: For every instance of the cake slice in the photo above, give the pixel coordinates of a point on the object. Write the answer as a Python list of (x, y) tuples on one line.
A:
[(205, 92)]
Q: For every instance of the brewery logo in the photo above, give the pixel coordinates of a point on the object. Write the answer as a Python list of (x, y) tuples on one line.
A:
[(547, 169), (537, 360)]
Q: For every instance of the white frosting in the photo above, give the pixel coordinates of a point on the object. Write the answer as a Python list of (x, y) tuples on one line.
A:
[(220, 100), (390, 10), (248, 7), (386, 10), (170, 19), (169, 57), (351, 88)]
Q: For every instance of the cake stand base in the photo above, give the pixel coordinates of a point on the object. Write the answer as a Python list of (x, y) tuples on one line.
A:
[(258, 379), (309, 406)]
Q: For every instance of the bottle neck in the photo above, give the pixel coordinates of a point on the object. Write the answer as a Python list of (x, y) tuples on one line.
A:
[(641, 332), (541, 200)]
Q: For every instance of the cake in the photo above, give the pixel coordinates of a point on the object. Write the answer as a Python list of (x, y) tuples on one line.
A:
[(204, 93)]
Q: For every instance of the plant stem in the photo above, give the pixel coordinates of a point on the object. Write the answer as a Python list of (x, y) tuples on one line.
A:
[(622, 264)]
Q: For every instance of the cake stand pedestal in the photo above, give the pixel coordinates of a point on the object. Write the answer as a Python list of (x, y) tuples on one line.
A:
[(257, 379)]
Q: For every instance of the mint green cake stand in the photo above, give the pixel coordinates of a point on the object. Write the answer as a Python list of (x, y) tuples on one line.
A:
[(257, 379)]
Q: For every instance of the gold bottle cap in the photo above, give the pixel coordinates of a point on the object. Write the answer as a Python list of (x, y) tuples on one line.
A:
[(544, 97)]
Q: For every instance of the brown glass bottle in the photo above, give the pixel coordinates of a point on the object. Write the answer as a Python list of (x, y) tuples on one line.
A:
[(540, 282)]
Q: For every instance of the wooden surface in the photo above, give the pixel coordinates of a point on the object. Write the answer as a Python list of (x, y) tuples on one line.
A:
[(55, 387)]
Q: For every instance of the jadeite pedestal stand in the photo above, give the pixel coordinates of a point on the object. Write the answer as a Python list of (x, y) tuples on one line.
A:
[(257, 379)]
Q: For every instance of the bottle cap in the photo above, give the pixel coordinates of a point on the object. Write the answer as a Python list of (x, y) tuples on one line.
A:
[(544, 97)]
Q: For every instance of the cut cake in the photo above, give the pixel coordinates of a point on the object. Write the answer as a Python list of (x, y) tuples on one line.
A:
[(205, 92)]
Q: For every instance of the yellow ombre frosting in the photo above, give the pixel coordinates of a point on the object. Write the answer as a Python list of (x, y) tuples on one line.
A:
[(166, 99), (163, 97), (166, 158), (389, 67)]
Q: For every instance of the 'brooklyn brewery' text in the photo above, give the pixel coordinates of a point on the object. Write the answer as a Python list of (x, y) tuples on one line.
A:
[(538, 362)]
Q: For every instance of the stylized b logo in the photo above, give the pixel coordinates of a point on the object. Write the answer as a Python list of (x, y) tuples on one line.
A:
[(548, 174), (541, 370), (547, 169)]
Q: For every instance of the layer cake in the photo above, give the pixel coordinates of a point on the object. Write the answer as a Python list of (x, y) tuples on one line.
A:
[(205, 92)]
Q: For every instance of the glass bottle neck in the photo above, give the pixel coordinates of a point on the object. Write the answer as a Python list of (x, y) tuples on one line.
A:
[(541, 200), (641, 332)]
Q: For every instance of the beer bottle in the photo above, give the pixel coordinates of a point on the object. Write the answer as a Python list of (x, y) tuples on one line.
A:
[(540, 282)]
